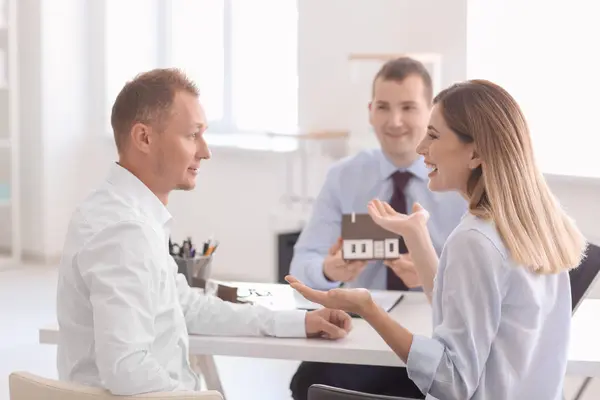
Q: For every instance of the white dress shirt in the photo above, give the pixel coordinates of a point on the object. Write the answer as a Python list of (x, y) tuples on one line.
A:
[(500, 332), (123, 311)]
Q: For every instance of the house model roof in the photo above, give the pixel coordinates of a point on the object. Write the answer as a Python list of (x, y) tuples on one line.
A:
[(361, 226)]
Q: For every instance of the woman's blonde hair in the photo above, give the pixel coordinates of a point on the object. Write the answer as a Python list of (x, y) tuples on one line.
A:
[(508, 187)]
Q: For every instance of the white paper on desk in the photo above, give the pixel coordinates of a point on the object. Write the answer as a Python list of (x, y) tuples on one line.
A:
[(386, 300)]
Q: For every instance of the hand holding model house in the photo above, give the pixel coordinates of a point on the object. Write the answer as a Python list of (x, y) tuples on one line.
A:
[(378, 236), (337, 269)]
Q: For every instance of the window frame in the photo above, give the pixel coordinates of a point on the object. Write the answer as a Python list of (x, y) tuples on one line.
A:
[(224, 125)]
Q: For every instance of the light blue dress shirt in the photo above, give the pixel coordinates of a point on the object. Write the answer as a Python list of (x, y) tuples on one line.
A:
[(349, 186), (500, 332)]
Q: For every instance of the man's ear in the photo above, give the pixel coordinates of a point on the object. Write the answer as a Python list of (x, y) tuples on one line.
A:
[(141, 137)]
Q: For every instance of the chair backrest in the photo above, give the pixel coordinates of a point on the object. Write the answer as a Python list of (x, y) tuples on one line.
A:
[(324, 392), (27, 386), (585, 275)]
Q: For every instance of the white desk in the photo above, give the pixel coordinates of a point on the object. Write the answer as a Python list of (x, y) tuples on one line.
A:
[(364, 346)]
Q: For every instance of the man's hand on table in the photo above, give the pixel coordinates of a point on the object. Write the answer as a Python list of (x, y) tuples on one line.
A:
[(328, 323)]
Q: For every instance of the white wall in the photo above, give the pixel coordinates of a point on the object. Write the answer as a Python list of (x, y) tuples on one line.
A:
[(238, 190), (552, 71), (551, 68), (329, 30), (579, 197)]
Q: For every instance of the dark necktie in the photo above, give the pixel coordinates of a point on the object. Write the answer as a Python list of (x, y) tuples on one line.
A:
[(398, 203)]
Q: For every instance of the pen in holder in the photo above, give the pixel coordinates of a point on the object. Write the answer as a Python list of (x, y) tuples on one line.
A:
[(195, 269)]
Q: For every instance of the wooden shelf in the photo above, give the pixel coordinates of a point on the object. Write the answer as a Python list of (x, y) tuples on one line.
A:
[(423, 57), (313, 135)]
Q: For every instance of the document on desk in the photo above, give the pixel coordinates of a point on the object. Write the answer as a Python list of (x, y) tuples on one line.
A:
[(385, 299)]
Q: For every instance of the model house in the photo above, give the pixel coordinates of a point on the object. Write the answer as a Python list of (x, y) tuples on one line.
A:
[(363, 239)]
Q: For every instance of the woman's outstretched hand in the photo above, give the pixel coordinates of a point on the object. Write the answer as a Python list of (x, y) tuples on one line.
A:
[(385, 216), (356, 301)]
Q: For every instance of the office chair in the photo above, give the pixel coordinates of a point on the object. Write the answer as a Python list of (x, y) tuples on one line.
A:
[(584, 276), (27, 386), (324, 392), (582, 280)]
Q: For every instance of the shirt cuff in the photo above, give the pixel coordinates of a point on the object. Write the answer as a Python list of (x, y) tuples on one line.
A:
[(290, 323), (319, 281), (423, 360)]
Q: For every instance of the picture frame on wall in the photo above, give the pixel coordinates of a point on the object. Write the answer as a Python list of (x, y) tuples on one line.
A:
[(361, 63)]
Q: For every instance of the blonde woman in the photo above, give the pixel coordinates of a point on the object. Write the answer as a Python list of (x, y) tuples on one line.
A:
[(500, 290)]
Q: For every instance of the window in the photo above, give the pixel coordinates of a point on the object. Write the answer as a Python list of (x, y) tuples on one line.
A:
[(130, 43), (197, 45), (264, 79), (241, 53), (552, 72)]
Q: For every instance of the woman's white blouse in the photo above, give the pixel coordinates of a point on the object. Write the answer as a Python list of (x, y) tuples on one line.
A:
[(500, 332)]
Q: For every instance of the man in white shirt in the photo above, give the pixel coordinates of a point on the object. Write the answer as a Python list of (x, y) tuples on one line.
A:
[(123, 311)]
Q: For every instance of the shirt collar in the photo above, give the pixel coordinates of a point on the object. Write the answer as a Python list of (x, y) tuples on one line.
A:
[(417, 168), (130, 186)]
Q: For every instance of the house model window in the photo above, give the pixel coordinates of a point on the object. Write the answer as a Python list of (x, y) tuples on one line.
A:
[(363, 239)]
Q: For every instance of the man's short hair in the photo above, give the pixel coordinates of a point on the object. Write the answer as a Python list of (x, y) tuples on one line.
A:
[(147, 99), (400, 68)]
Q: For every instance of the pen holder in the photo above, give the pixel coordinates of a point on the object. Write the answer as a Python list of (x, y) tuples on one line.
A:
[(196, 270)]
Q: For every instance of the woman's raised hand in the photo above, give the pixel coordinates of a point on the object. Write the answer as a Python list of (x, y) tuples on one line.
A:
[(385, 216)]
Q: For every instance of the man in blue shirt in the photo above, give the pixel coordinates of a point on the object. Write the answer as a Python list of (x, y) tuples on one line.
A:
[(399, 114)]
